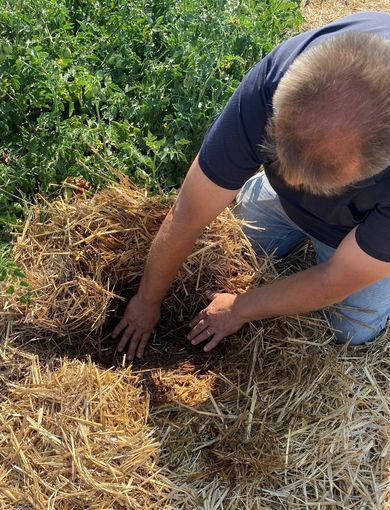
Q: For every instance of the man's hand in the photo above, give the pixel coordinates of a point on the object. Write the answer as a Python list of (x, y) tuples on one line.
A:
[(218, 320), (136, 325)]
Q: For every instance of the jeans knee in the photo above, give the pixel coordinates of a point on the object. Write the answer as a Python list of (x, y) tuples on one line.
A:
[(354, 338), (353, 332)]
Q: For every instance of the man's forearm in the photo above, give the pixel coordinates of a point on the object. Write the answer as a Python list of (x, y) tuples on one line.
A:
[(172, 245), (301, 292), (199, 202)]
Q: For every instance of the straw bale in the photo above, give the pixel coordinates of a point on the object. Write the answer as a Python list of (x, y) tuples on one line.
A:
[(76, 438)]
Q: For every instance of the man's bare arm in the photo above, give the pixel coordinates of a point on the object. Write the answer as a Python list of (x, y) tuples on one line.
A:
[(198, 203), (347, 271)]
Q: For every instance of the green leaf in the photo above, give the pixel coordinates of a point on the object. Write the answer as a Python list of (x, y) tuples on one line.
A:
[(17, 273), (71, 108), (3, 274)]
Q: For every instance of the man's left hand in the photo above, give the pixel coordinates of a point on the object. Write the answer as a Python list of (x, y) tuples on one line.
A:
[(218, 320)]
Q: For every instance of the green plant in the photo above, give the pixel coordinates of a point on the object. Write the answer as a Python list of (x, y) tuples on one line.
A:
[(136, 82), (12, 279)]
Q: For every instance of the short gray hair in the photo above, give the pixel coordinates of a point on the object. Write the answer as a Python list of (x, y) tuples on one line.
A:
[(333, 106)]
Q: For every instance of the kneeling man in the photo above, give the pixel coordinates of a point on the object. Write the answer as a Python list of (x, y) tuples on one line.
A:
[(315, 114)]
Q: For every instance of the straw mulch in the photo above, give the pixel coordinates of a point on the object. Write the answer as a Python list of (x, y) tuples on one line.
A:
[(78, 255), (319, 12), (75, 438), (288, 425), (277, 417)]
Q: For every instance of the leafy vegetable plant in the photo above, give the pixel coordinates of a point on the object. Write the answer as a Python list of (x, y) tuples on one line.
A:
[(136, 82)]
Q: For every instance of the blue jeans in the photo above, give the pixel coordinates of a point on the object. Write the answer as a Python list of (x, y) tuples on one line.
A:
[(358, 318)]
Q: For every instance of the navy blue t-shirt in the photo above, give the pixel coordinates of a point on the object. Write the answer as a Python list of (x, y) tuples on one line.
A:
[(231, 152)]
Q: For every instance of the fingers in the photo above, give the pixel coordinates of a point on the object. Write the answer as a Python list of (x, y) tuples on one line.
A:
[(142, 345), (122, 324), (137, 342), (213, 343), (204, 335), (125, 337), (136, 325), (133, 345), (201, 315), (197, 329)]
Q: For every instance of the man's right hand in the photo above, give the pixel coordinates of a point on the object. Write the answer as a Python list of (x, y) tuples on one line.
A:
[(136, 326)]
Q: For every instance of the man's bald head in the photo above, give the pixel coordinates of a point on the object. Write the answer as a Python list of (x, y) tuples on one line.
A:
[(331, 122)]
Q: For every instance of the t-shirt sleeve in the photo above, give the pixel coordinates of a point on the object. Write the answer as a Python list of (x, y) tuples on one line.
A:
[(373, 233), (230, 152)]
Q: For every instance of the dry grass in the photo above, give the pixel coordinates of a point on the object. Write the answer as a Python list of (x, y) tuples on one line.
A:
[(276, 418), (79, 255), (320, 12), (288, 425), (75, 438)]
